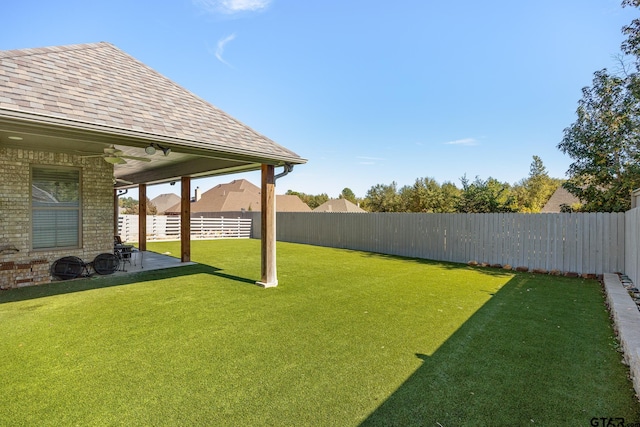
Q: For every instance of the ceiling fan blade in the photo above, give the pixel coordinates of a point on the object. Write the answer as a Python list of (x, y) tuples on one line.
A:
[(115, 160), (141, 159), (123, 181)]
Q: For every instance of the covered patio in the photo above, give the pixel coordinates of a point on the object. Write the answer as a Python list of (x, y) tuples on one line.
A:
[(95, 109), (150, 261)]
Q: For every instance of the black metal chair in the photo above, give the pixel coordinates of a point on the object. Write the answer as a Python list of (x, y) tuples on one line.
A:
[(125, 253), (72, 267), (69, 267), (106, 264)]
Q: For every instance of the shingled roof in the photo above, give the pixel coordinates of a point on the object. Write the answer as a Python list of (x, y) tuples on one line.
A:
[(165, 201), (238, 195), (339, 205), (559, 198), (99, 89)]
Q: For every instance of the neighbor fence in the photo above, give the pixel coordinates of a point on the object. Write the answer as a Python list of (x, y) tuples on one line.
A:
[(632, 246), (161, 227), (591, 243), (567, 242)]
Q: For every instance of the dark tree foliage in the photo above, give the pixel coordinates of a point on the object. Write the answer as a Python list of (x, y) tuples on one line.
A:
[(484, 196), (533, 192), (603, 142), (426, 195), (130, 206), (383, 198), (631, 46), (480, 196), (349, 195)]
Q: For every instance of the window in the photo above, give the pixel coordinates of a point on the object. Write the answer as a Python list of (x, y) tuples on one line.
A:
[(55, 207)]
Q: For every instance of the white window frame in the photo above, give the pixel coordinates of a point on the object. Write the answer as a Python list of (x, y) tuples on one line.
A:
[(38, 205)]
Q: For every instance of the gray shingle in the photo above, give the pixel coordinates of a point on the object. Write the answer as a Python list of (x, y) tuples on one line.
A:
[(99, 84)]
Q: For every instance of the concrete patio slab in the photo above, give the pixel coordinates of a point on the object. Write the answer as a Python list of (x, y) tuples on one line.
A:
[(148, 261)]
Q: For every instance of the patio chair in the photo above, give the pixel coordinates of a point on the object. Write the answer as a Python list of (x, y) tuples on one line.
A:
[(125, 253), (105, 263), (69, 267)]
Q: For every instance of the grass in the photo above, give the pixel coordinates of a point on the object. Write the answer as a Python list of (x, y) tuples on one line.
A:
[(347, 338)]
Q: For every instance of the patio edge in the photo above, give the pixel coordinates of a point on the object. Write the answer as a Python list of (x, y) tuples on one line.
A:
[(626, 318)]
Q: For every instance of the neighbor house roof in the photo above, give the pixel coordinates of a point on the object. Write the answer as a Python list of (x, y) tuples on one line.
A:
[(291, 203), (230, 197), (97, 89), (560, 197), (165, 201), (338, 205), (238, 195)]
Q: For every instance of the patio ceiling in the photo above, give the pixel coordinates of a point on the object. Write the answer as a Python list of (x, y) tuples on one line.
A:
[(182, 160), (81, 99)]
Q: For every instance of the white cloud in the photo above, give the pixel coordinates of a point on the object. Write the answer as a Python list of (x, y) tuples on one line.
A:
[(221, 45), (232, 6), (465, 141)]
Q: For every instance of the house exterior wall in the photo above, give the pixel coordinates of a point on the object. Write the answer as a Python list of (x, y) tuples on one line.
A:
[(32, 267)]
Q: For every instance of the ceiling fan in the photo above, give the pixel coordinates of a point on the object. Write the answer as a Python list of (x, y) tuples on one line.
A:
[(121, 181), (117, 157)]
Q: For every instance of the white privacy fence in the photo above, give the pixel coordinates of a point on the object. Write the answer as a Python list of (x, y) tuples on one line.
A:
[(567, 242), (632, 245), (161, 227), (592, 243)]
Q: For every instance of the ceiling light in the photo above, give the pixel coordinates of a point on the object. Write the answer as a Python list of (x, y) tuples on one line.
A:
[(151, 149), (16, 138)]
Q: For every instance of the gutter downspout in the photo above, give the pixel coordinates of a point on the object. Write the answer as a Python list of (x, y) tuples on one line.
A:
[(117, 193), (288, 168)]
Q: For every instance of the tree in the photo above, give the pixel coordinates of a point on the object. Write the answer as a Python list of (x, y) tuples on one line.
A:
[(485, 196), (130, 206), (604, 144), (423, 196), (631, 46), (349, 195), (382, 198), (449, 199), (426, 195), (533, 192), (603, 141)]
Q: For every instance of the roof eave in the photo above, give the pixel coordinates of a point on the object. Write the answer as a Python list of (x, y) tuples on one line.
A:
[(19, 121)]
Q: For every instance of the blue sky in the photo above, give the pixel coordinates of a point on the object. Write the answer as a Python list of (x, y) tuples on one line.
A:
[(369, 92)]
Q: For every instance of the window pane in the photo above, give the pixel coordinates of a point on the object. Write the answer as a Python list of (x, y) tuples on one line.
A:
[(55, 203), (52, 187), (55, 228)]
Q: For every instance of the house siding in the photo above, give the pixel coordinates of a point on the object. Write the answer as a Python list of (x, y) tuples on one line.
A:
[(32, 267)]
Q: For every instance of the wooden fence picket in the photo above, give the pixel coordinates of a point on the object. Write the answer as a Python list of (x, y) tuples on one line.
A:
[(568, 242)]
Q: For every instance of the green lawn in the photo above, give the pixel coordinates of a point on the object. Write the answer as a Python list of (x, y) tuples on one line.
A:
[(346, 338)]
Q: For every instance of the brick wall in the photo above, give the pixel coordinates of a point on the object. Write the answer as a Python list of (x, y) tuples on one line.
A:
[(21, 266)]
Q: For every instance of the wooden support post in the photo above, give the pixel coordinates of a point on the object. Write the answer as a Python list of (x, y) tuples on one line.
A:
[(142, 217), (268, 226), (185, 220), (116, 212)]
